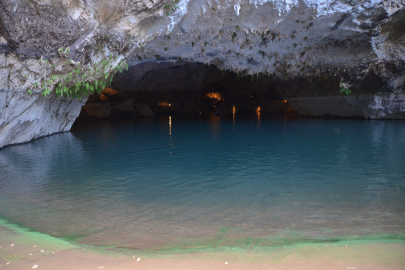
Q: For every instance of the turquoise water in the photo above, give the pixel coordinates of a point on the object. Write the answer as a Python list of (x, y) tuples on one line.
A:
[(194, 181)]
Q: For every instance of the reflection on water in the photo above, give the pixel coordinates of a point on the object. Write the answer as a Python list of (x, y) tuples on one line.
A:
[(156, 181)]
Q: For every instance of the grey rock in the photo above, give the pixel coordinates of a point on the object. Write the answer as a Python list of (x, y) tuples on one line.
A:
[(24, 118), (144, 109), (369, 107), (125, 105)]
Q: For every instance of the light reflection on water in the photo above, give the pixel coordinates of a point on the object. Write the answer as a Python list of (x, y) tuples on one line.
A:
[(153, 181)]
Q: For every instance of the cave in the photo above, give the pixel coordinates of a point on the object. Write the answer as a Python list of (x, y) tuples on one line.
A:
[(202, 134), (164, 88)]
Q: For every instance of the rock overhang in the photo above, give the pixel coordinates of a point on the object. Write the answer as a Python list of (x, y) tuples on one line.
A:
[(283, 38)]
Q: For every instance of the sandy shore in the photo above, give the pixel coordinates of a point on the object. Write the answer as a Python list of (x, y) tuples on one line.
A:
[(372, 256), (22, 248), (72, 259)]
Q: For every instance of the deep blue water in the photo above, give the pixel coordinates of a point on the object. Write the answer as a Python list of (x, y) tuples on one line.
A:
[(153, 182)]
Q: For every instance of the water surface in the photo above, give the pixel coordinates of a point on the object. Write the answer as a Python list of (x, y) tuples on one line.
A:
[(155, 183)]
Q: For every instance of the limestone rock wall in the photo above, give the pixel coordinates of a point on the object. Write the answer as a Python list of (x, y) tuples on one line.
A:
[(25, 116), (269, 36), (370, 107)]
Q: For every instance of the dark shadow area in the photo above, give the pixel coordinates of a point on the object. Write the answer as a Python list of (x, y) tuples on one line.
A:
[(163, 88)]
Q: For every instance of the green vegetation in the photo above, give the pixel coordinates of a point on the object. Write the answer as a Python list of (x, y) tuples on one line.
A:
[(234, 35), (81, 80), (171, 7), (241, 74), (343, 89)]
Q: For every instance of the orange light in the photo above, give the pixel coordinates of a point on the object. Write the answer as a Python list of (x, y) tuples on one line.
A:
[(104, 97), (214, 95), (107, 92), (285, 101), (233, 109), (164, 104)]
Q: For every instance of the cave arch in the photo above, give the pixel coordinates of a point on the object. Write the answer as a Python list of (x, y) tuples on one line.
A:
[(161, 88)]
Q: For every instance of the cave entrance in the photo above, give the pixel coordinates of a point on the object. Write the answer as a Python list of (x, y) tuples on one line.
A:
[(165, 88)]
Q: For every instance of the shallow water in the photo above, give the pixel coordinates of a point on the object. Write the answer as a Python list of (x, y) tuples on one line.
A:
[(155, 183)]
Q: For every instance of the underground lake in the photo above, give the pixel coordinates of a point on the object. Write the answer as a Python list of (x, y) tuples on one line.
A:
[(192, 182)]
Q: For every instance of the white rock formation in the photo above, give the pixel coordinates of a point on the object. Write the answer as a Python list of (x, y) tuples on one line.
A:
[(25, 116)]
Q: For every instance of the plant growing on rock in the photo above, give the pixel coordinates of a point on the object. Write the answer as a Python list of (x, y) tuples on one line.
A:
[(344, 89), (83, 79), (171, 7), (241, 74), (233, 35)]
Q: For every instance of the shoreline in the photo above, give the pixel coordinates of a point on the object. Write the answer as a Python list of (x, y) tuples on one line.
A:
[(47, 252), (71, 259)]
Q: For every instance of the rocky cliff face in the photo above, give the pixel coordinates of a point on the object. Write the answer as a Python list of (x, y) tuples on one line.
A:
[(24, 117), (316, 50)]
